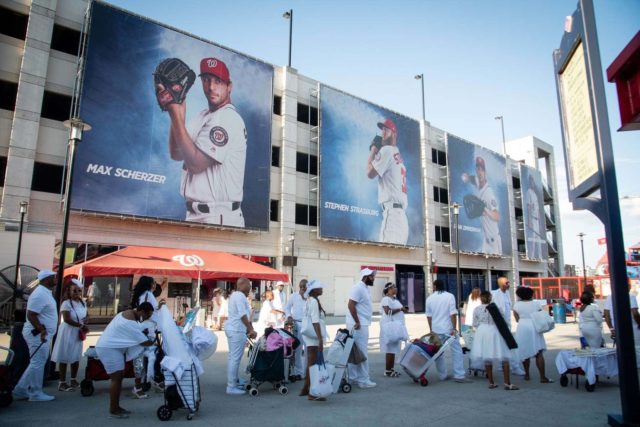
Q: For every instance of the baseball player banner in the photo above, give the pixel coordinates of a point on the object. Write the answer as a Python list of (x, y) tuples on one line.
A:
[(370, 182), (478, 183), (181, 126), (533, 213)]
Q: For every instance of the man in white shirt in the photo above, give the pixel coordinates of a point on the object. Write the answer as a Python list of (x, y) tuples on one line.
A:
[(502, 298), (635, 322), (359, 315), (279, 301), (294, 310), (237, 328), (441, 312), (38, 331)]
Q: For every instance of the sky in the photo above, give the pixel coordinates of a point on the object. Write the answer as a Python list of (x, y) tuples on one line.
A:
[(480, 59)]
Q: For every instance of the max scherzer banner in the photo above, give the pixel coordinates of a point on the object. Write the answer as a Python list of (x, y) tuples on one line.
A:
[(478, 183), (533, 213), (206, 159), (370, 186)]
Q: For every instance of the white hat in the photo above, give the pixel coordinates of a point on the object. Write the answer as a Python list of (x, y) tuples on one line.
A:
[(314, 284), (366, 272), (43, 274), (78, 283), (280, 284)]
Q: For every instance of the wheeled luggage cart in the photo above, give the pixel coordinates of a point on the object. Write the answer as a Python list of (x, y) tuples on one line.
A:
[(416, 360), (468, 334), (5, 378), (274, 366), (94, 371), (338, 356), (183, 392)]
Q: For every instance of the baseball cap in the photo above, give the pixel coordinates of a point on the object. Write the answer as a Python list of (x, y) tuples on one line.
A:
[(78, 283), (216, 67), (43, 274), (389, 124), (314, 284), (480, 162), (366, 272)]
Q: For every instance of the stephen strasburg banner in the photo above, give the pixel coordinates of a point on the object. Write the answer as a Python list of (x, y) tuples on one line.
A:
[(203, 159), (478, 183), (370, 185), (533, 213)]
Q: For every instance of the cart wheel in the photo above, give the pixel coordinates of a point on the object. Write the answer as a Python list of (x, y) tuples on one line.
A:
[(564, 380), (247, 387), (164, 413), (346, 388), (283, 390), (253, 392), (5, 399), (424, 382), (86, 388), (590, 387), (189, 417)]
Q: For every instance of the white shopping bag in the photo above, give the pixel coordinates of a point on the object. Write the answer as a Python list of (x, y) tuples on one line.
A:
[(320, 378)]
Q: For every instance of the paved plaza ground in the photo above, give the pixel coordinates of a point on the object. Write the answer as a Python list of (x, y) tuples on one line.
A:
[(395, 402)]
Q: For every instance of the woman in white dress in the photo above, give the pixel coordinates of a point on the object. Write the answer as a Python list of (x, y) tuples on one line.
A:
[(267, 317), (314, 316), (472, 303), (488, 345), (223, 314), (68, 347), (530, 342), (394, 311), (591, 321), (143, 292), (216, 305)]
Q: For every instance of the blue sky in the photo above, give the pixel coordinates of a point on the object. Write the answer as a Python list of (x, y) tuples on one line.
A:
[(480, 59)]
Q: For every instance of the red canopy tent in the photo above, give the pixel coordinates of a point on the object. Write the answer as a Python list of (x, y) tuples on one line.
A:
[(196, 264)]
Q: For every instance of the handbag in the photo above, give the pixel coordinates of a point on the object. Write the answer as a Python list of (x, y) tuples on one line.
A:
[(82, 335), (542, 322), (394, 330), (320, 376), (356, 356)]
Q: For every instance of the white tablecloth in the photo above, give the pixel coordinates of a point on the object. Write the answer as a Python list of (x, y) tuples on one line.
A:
[(602, 361)]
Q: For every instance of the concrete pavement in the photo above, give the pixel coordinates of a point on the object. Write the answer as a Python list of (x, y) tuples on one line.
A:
[(396, 401)]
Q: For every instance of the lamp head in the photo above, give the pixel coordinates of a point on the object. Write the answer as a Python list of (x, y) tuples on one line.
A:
[(23, 207), (418, 77), (456, 209), (287, 14)]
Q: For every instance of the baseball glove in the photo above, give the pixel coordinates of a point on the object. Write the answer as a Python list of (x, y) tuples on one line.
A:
[(377, 142), (473, 206), (176, 79)]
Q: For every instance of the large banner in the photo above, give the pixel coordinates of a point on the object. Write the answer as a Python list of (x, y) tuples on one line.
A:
[(205, 160), (533, 213), (478, 183), (370, 179)]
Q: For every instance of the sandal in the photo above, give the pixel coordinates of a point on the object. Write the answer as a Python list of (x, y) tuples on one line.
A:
[(391, 373), (316, 399), (138, 393), (74, 383), (118, 415), (65, 387), (492, 385), (510, 387), (546, 381)]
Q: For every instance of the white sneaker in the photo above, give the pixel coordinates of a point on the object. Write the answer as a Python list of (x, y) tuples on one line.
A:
[(241, 383), (41, 397), (367, 384), (235, 391)]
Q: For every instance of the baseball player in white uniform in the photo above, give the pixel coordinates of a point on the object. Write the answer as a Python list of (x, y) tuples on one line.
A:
[(492, 242), (386, 164), (534, 240), (213, 149)]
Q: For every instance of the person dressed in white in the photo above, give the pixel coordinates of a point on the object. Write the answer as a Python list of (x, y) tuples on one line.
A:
[(489, 347), (40, 327), (237, 328), (393, 312), (502, 299), (472, 302), (315, 332), (531, 343), (441, 312), (294, 310), (215, 311), (68, 346), (635, 321), (279, 301), (359, 315), (268, 315), (124, 339), (591, 321), (223, 314)]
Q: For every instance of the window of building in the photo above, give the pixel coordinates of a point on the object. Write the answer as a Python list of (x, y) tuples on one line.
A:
[(8, 94), (275, 156), (439, 157), (13, 24), (307, 163), (522, 247), (516, 183), (306, 215), (307, 114), (47, 178), (442, 234), (277, 105), (65, 39), (3, 169), (56, 106), (274, 210), (441, 195)]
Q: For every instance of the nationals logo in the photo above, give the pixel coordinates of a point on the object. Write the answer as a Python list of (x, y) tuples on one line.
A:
[(219, 136), (189, 260), (212, 63)]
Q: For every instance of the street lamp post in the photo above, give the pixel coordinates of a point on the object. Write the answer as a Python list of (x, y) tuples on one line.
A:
[(292, 239), (23, 210), (584, 269), (456, 214), (421, 78), (76, 126), (504, 144), (289, 15)]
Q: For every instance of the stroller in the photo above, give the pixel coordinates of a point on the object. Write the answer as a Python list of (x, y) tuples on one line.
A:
[(339, 355), (5, 379), (421, 354), (95, 371), (271, 359)]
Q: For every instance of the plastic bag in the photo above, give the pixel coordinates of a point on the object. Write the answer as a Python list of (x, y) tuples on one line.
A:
[(203, 342), (394, 331), (320, 376)]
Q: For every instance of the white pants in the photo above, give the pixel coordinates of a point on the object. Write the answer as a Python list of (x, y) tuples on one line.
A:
[(300, 357), (457, 360), (31, 381), (395, 227), (360, 372), (491, 245), (220, 215), (236, 342)]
